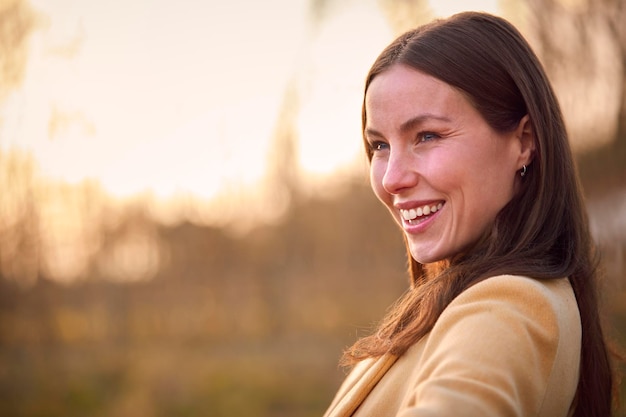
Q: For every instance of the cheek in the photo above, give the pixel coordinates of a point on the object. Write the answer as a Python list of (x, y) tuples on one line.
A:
[(377, 173)]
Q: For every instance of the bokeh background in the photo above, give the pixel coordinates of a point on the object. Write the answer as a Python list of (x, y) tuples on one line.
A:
[(186, 227)]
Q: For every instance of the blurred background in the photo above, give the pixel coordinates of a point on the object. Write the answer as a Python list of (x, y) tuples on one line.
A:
[(186, 226)]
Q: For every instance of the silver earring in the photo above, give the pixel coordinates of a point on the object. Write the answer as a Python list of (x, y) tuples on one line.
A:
[(523, 172)]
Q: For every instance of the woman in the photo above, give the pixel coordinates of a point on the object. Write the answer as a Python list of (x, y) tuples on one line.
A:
[(469, 153)]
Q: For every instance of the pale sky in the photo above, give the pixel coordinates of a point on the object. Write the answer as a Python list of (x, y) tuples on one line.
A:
[(183, 96), (158, 94)]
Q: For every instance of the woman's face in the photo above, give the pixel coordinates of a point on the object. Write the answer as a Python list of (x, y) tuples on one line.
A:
[(441, 170)]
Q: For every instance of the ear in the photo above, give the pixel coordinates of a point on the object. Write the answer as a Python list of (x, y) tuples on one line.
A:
[(527, 142)]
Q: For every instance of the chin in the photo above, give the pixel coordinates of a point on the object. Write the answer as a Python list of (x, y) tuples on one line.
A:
[(428, 257), (423, 258)]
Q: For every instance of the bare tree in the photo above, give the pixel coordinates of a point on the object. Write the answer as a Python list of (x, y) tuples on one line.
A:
[(613, 14), (17, 21), (283, 177), (19, 219), (406, 14), (570, 36), (585, 41), (19, 249)]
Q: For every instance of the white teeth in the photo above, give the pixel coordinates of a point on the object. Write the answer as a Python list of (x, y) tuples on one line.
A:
[(412, 214)]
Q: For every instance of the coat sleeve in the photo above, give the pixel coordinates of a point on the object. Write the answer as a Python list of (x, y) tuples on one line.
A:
[(502, 348)]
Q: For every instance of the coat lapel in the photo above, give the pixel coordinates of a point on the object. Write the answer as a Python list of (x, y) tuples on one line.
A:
[(358, 385)]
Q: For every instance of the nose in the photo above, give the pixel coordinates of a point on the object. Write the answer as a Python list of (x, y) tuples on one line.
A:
[(400, 174)]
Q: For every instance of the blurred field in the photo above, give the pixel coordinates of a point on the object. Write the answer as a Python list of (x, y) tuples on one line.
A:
[(248, 325)]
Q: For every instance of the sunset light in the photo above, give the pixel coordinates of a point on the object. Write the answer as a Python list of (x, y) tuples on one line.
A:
[(165, 96), (184, 98), (187, 223)]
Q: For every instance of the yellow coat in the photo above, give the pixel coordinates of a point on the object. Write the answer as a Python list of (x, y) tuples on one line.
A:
[(508, 346)]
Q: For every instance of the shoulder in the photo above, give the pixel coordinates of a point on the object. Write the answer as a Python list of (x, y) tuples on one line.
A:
[(510, 322), (551, 301), (514, 305), (521, 285), (512, 341), (514, 287)]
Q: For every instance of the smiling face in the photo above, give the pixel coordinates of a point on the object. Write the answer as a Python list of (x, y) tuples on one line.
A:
[(441, 170)]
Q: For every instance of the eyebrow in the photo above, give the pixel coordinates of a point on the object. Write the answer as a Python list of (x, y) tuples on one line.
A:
[(410, 124)]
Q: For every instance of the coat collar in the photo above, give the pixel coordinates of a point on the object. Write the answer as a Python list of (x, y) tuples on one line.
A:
[(359, 384)]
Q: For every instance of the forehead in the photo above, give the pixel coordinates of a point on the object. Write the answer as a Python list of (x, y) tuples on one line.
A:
[(401, 92)]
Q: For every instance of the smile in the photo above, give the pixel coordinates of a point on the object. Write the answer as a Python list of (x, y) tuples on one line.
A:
[(426, 210)]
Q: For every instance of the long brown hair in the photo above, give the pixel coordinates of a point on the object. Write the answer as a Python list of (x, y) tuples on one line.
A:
[(542, 232)]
